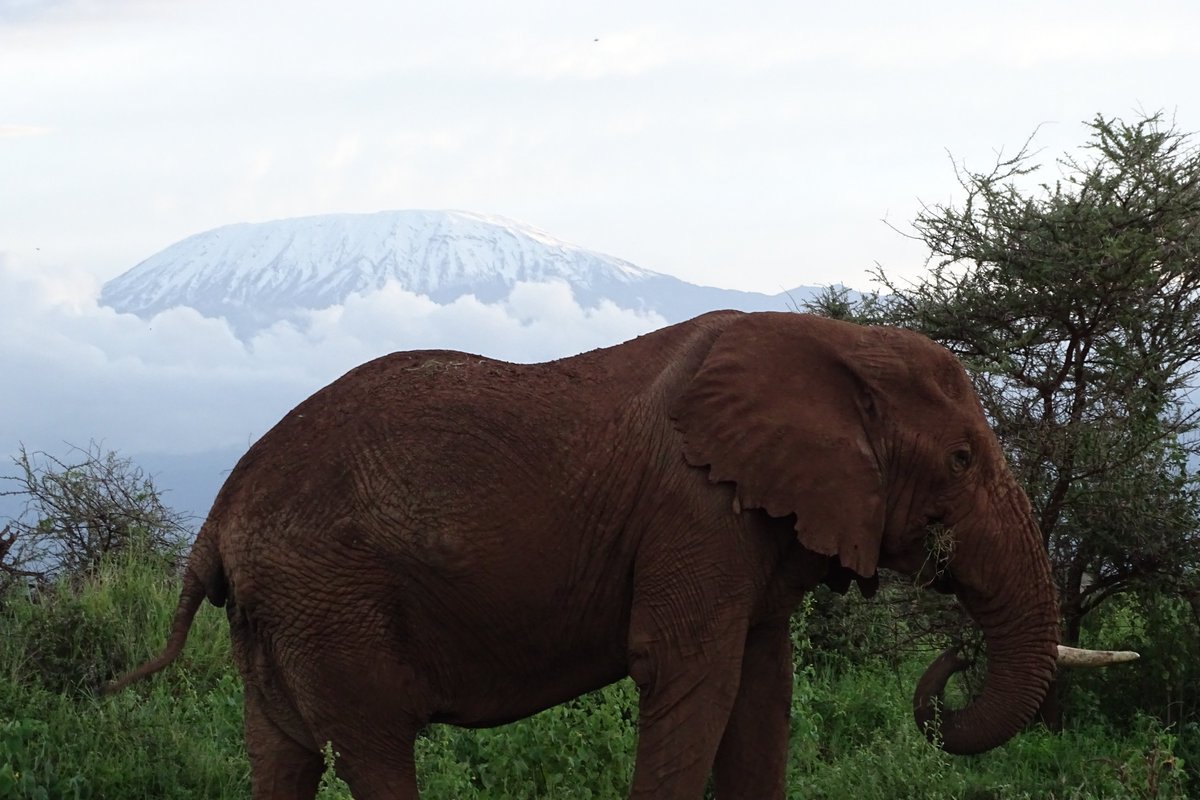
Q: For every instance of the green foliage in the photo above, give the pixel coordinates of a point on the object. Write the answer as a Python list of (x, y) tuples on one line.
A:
[(175, 737), (26, 769), (331, 787), (582, 749), (179, 735), (1164, 684), (69, 646)]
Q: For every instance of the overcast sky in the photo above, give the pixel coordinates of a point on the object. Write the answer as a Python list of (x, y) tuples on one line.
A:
[(745, 145)]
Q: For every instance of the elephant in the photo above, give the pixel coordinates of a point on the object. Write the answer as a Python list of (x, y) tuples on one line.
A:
[(440, 537)]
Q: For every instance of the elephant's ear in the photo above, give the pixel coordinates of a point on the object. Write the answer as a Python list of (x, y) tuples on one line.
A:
[(779, 409)]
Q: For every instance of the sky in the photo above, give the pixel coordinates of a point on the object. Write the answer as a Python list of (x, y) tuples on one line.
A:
[(754, 145)]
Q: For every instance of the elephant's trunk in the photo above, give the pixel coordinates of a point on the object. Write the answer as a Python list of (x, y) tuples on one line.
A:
[(1012, 597)]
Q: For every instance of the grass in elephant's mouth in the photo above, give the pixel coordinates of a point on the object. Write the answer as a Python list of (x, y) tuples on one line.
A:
[(939, 548)]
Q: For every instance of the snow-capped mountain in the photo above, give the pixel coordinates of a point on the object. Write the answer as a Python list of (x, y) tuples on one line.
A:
[(256, 274)]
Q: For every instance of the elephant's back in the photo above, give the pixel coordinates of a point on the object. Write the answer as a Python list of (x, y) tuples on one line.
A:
[(424, 440), (407, 413)]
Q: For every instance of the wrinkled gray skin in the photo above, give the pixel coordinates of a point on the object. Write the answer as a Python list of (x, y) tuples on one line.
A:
[(439, 537)]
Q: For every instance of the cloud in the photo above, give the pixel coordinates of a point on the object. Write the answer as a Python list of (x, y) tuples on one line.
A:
[(9, 131), (536, 322), (181, 383), (26, 9), (71, 11)]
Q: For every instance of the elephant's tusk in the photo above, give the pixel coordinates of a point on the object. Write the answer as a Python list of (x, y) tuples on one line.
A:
[(1076, 657)]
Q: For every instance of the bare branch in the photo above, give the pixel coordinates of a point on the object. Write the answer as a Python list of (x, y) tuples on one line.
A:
[(83, 507)]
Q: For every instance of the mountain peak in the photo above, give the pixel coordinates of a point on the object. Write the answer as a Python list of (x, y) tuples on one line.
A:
[(250, 272), (254, 274)]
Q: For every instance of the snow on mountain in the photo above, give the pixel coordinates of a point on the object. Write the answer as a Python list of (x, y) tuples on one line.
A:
[(255, 274)]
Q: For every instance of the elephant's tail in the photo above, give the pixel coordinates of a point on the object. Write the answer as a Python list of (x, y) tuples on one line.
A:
[(204, 577)]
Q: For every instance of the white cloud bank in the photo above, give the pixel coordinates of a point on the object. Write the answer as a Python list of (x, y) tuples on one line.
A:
[(184, 383)]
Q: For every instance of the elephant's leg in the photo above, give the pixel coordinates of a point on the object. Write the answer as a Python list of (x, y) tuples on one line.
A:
[(370, 719), (280, 768), (385, 772), (752, 760), (685, 661)]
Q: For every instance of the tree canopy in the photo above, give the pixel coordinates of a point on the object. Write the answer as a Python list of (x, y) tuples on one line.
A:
[(1075, 304)]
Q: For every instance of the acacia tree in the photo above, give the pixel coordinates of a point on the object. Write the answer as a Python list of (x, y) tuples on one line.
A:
[(1075, 304)]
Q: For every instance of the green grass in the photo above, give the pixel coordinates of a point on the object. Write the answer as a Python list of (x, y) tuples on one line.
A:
[(179, 735)]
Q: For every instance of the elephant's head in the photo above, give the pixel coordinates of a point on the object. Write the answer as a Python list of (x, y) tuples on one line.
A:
[(875, 441)]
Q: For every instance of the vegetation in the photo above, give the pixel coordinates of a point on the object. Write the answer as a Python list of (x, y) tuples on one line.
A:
[(79, 509), (178, 735)]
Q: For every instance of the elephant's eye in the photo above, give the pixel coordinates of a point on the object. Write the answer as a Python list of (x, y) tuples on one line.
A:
[(960, 459)]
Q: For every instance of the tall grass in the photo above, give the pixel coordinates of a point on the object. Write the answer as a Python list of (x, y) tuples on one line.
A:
[(179, 734)]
